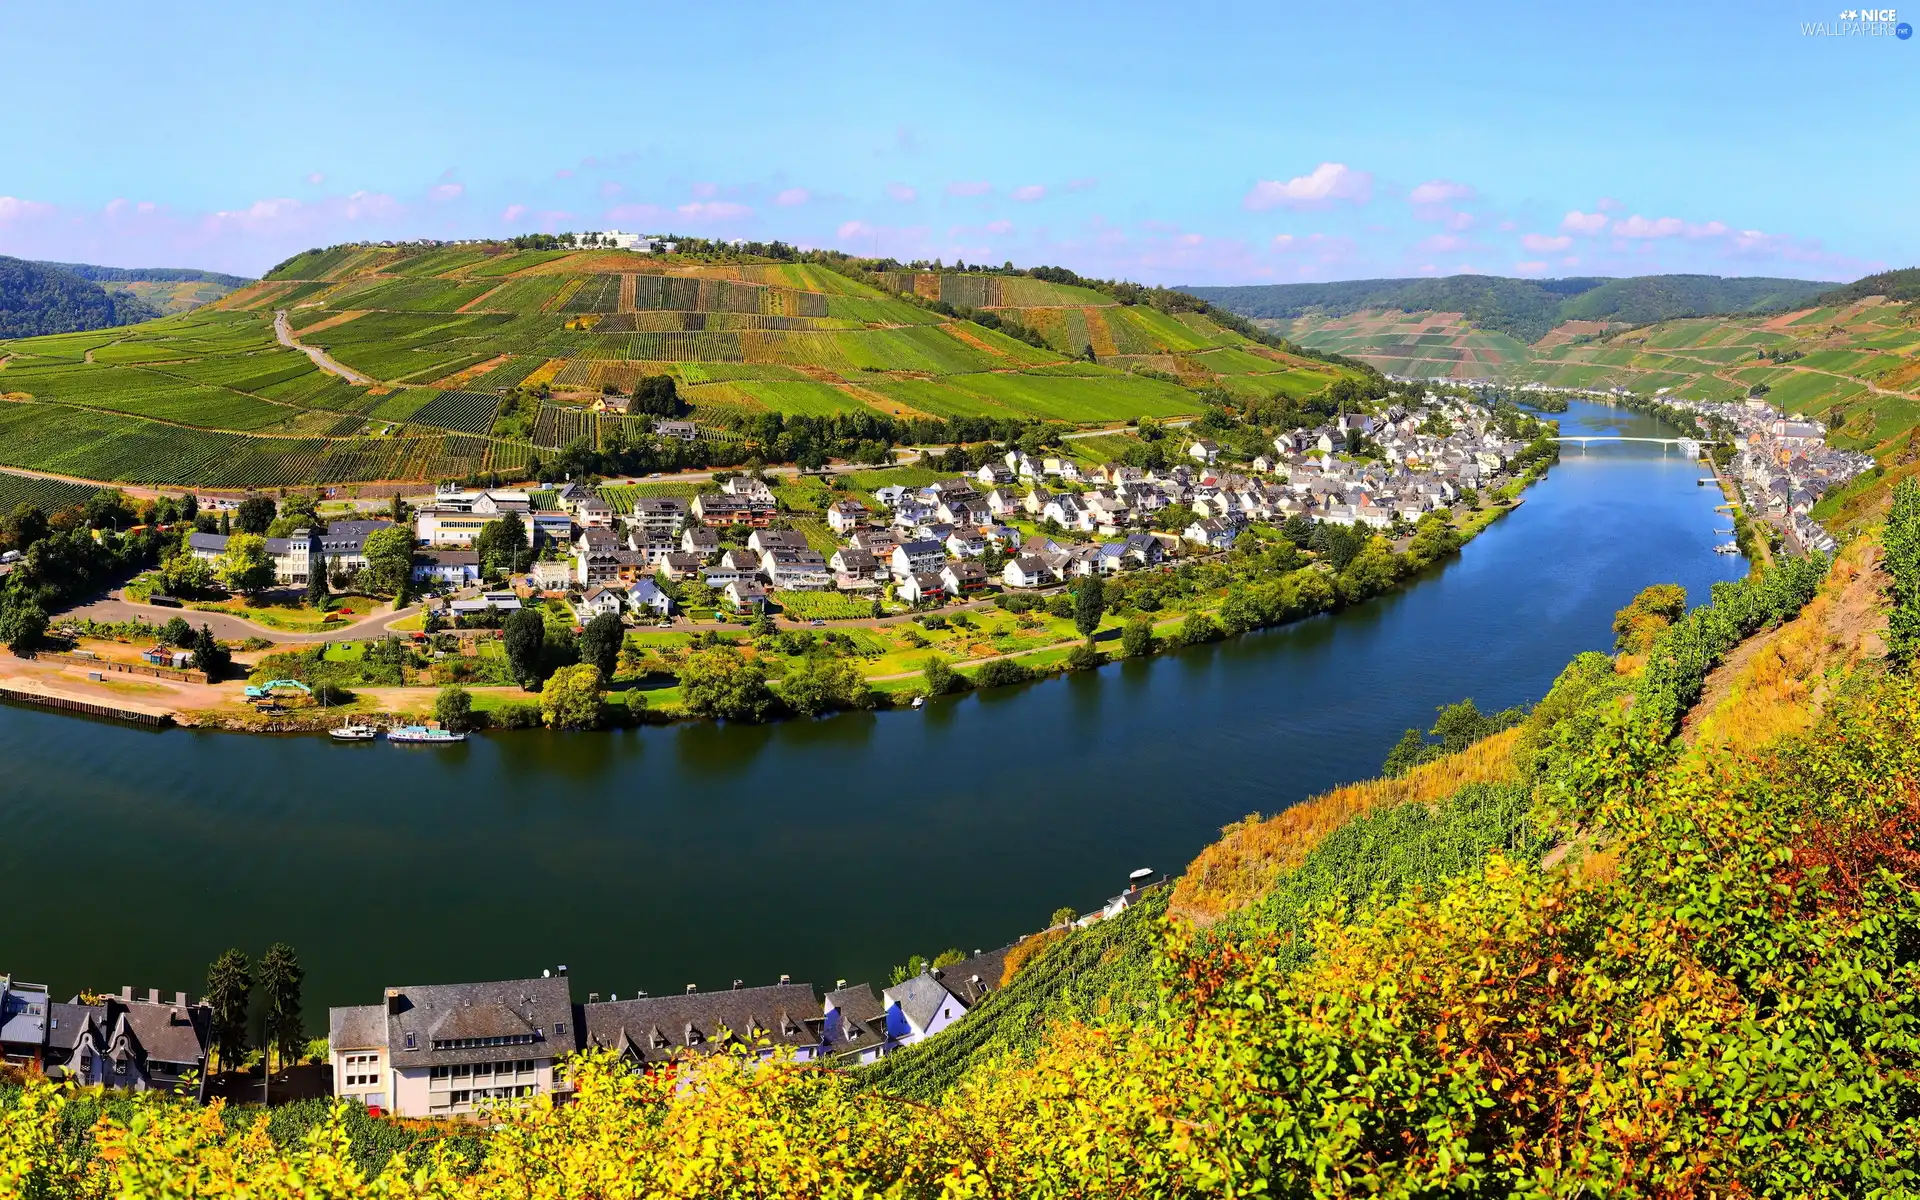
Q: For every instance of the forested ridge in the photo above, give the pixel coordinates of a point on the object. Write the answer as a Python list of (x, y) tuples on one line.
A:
[(36, 298), (1524, 308)]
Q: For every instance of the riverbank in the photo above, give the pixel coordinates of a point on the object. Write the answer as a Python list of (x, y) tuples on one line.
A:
[(1037, 645)]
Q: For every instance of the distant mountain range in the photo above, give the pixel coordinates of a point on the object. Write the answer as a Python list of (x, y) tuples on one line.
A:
[(48, 297), (1526, 309)]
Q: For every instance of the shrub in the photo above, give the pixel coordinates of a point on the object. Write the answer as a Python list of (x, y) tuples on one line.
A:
[(1001, 672)]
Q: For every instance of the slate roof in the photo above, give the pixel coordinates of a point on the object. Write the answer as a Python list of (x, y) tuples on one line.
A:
[(512, 1008), (357, 1027), (171, 1033), (658, 1028), (971, 979), (919, 998)]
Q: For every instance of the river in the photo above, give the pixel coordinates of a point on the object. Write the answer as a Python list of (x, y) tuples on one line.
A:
[(653, 858)]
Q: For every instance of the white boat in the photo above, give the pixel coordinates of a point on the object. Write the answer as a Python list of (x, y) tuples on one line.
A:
[(1727, 548), (421, 735), (353, 732)]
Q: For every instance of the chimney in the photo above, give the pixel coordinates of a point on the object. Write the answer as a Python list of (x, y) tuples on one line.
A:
[(180, 999), (393, 1001), (126, 992), (153, 995), (692, 988), (838, 984), (562, 970), (785, 979), (593, 997), (736, 985)]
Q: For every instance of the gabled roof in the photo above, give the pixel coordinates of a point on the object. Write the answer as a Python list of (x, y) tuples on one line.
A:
[(919, 998), (169, 1032), (657, 1028), (510, 1009)]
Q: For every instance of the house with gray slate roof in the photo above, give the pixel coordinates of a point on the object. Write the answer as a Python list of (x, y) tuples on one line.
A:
[(445, 1049), (656, 1029)]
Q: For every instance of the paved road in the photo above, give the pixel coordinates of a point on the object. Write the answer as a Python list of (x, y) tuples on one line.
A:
[(226, 625), (321, 358)]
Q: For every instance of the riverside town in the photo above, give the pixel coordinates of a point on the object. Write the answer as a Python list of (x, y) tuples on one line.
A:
[(965, 628)]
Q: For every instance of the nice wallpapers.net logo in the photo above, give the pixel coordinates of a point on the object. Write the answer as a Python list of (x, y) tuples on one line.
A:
[(1860, 22)]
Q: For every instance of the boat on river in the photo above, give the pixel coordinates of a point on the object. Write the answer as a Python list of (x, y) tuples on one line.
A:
[(1727, 548), (353, 731), (421, 735)]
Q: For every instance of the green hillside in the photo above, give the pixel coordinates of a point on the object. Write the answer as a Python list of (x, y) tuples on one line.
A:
[(41, 298), (1526, 309), (483, 359)]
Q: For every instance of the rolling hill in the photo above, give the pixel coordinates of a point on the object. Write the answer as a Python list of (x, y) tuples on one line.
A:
[(1526, 309), (444, 333), (41, 298)]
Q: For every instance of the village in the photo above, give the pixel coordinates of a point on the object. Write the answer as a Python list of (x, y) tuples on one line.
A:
[(454, 1050), (1018, 521)]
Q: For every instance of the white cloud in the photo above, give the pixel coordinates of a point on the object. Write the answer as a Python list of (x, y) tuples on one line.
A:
[(1282, 242), (1000, 227), (1443, 243), (316, 178), (1571, 260), (969, 187), (1082, 185), (12, 208), (1584, 223), (903, 193), (512, 213), (1029, 193), (1609, 204), (702, 191), (714, 210), (1324, 185), (1540, 242), (790, 197), (609, 189), (1529, 268), (1637, 226), (854, 229), (1439, 191), (441, 193), (1460, 222)]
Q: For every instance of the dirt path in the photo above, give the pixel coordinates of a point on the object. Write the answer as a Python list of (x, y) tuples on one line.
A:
[(158, 697), (321, 358), (229, 626)]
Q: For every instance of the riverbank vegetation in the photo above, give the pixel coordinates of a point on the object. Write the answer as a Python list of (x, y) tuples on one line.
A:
[(1580, 956)]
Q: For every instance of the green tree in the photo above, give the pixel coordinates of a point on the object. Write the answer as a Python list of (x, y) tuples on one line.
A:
[(186, 575), (1084, 657), (1136, 640), (210, 656), (255, 515), (502, 545), (317, 593), (1089, 602), (22, 527), (525, 634), (23, 623), (941, 678), (453, 708), (229, 996), (280, 980), (823, 685), (1062, 916), (244, 566), (724, 683), (574, 697), (600, 643), (176, 632), (1198, 628), (389, 555)]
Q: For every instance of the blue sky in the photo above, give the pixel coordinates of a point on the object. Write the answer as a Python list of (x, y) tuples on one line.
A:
[(1217, 143)]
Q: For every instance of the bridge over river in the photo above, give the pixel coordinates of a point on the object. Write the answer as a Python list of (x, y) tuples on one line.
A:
[(1685, 443)]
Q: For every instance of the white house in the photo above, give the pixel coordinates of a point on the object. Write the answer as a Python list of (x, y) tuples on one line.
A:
[(916, 557), (1027, 571)]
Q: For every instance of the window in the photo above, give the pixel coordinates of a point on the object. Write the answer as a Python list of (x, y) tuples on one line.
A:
[(410, 1044), (437, 1073), (559, 1027), (461, 1071), (483, 1069), (461, 1097), (120, 1066)]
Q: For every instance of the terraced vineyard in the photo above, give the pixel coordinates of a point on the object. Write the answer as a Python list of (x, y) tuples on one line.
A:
[(211, 399), (48, 495)]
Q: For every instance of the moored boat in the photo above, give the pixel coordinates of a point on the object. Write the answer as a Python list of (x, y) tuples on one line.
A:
[(353, 732), (422, 735)]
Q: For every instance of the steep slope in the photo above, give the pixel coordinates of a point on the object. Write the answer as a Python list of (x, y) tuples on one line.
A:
[(41, 298), (483, 359)]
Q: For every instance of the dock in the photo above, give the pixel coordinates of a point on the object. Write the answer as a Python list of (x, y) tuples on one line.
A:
[(85, 708)]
